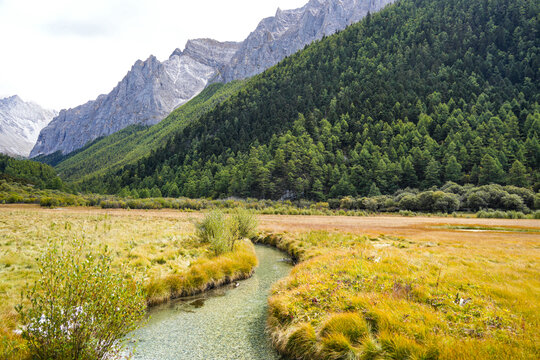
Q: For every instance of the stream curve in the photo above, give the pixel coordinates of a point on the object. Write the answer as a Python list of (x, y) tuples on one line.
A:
[(221, 324)]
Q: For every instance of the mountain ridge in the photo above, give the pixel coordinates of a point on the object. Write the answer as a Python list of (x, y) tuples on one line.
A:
[(146, 95), (20, 124), (418, 94), (290, 30)]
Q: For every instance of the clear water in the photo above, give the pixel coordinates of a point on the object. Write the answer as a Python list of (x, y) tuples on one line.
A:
[(226, 323)]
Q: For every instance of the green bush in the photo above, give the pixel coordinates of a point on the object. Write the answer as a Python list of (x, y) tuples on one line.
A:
[(79, 308), (214, 230), (49, 202), (222, 233), (244, 223)]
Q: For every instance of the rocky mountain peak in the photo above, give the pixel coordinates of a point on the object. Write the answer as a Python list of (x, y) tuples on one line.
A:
[(20, 124), (210, 52), (152, 89), (146, 95), (290, 30)]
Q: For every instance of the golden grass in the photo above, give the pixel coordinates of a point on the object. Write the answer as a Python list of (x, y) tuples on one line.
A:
[(359, 297), (403, 284), (160, 250), (204, 274)]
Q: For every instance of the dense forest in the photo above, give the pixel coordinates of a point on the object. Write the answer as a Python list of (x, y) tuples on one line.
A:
[(29, 172), (421, 93)]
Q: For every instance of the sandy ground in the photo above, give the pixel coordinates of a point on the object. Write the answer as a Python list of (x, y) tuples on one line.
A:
[(419, 228)]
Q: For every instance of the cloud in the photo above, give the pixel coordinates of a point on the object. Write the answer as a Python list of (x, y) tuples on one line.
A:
[(63, 27)]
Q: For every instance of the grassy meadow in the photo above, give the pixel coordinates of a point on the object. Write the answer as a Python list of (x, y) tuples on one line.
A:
[(463, 296), (363, 288), (161, 250)]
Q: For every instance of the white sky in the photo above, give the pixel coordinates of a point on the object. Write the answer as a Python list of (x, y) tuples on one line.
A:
[(62, 53)]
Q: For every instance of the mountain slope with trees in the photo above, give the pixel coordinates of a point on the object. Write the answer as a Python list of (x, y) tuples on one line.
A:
[(418, 94), (28, 172), (133, 143)]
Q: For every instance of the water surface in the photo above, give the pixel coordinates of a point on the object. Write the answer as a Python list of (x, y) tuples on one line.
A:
[(226, 323)]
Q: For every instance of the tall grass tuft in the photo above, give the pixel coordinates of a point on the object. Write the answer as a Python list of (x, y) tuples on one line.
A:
[(351, 325), (245, 223)]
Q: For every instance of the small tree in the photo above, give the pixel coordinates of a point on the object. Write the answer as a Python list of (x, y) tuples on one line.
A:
[(518, 175), (79, 308)]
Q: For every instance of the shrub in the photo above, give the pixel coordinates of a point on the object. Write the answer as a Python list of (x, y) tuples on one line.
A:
[(409, 202), (214, 230), (244, 223), (49, 202), (512, 202), (445, 202), (79, 308)]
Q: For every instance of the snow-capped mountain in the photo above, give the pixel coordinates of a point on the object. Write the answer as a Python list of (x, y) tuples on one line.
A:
[(20, 124)]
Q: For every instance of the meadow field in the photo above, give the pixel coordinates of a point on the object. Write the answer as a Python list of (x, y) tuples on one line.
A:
[(364, 287), (162, 251)]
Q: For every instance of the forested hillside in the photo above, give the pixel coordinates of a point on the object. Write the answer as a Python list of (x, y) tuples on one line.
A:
[(129, 145), (28, 172), (423, 92)]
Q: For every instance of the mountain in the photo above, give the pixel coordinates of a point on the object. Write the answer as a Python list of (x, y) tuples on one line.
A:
[(151, 90), (290, 30), (20, 124), (135, 141), (420, 93), (146, 95)]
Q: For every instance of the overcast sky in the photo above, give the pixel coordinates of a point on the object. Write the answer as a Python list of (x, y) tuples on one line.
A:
[(62, 53)]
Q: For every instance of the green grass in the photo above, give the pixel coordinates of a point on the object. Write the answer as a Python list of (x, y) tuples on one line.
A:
[(350, 299)]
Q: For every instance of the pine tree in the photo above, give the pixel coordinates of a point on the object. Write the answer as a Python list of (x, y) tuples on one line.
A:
[(374, 190), (490, 171), (452, 170), (517, 175), (433, 173), (409, 178)]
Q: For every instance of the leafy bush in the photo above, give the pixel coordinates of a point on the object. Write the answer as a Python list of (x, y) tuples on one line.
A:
[(214, 230), (49, 202), (79, 308), (222, 233), (244, 222)]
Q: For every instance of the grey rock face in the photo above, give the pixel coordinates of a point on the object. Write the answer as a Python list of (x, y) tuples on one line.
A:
[(20, 124), (289, 31), (148, 93)]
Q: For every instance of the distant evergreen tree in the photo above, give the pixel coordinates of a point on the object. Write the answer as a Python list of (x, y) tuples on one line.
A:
[(433, 176), (373, 190), (144, 193), (517, 175), (490, 171), (173, 191), (155, 192), (452, 170)]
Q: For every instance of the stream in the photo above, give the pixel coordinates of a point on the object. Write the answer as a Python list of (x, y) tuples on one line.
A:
[(221, 324)]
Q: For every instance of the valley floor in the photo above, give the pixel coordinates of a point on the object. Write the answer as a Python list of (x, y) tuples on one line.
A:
[(438, 281)]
